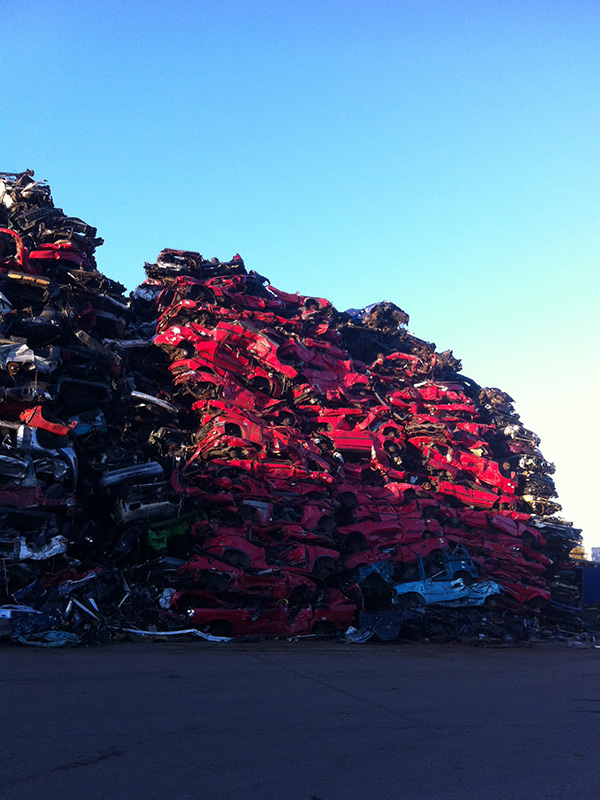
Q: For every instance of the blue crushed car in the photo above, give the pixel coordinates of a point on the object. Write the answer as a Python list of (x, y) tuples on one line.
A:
[(442, 591), (447, 593)]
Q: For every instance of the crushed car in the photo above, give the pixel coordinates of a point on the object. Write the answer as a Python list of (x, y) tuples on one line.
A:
[(209, 452)]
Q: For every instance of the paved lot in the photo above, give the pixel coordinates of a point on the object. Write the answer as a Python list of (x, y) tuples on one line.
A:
[(304, 721)]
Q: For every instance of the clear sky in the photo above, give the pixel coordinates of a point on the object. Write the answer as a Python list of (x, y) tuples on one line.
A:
[(442, 154)]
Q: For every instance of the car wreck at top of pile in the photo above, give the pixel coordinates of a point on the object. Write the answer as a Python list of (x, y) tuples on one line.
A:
[(216, 454)]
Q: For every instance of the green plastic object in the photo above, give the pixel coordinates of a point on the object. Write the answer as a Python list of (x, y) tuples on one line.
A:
[(158, 535)]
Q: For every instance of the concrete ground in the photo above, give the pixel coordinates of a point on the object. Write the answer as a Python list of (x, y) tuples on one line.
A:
[(299, 721)]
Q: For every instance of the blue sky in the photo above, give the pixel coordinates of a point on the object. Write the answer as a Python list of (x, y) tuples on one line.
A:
[(442, 155)]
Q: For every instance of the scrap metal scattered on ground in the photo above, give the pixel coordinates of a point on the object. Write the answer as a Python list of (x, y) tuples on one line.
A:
[(213, 454)]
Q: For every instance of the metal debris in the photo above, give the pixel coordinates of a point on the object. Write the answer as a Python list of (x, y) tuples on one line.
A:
[(217, 456)]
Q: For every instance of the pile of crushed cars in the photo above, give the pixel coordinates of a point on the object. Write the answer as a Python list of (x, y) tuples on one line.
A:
[(217, 456)]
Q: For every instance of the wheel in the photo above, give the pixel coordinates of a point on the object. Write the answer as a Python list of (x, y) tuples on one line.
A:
[(347, 501), (467, 578), (261, 384), (218, 628), (355, 542), (325, 445), (200, 293), (324, 629), (236, 558), (433, 563), (391, 447), (326, 526), (390, 432), (411, 600), (186, 604), (323, 567), (301, 596), (530, 540), (213, 582)]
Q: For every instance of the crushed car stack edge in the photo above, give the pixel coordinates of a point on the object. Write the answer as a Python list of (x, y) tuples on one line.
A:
[(216, 455)]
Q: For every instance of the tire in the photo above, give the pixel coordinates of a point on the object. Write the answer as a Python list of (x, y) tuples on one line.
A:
[(530, 540), (323, 567), (236, 558), (261, 384), (219, 628), (213, 582), (185, 605), (348, 501), (200, 294), (390, 432), (433, 563), (392, 448), (467, 578), (325, 445), (354, 542), (324, 629), (411, 600), (301, 596)]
